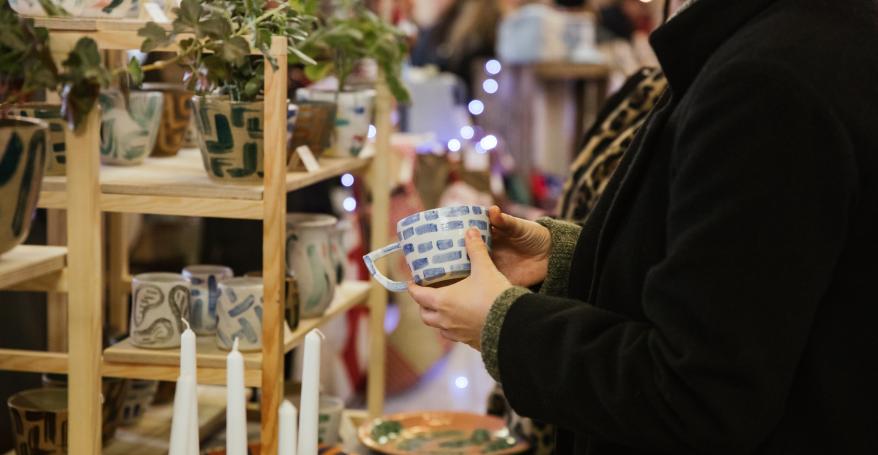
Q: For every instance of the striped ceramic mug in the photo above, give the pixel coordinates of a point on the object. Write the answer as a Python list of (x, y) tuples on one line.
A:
[(433, 244)]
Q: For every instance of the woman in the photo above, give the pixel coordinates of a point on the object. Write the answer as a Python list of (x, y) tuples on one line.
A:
[(719, 297)]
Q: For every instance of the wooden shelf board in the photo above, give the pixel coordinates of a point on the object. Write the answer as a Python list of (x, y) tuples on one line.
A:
[(33, 361), (349, 294), (27, 262), (180, 186)]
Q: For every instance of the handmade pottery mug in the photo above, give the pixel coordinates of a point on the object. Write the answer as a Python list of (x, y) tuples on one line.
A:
[(23, 144), (240, 314), (161, 300), (128, 130), (433, 244), (292, 309), (204, 294), (352, 119), (57, 141), (308, 260), (39, 421), (176, 117), (113, 392)]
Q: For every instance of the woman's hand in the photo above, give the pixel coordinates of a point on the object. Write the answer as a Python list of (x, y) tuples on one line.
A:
[(520, 248), (459, 310)]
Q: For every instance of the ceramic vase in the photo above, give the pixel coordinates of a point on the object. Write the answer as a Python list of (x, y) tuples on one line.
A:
[(292, 308), (204, 295), (309, 261), (176, 116), (23, 144), (240, 314), (128, 133), (161, 300), (137, 400), (33, 8), (337, 250), (352, 118), (39, 421), (57, 143), (314, 126)]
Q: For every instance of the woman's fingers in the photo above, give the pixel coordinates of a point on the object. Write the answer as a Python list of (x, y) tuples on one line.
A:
[(431, 318), (425, 297), (507, 225), (478, 251)]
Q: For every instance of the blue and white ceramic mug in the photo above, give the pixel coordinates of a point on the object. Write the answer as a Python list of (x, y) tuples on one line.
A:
[(204, 295), (433, 244), (240, 314)]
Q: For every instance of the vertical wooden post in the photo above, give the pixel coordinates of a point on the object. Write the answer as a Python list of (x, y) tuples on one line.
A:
[(117, 246), (84, 287), (56, 302), (273, 241)]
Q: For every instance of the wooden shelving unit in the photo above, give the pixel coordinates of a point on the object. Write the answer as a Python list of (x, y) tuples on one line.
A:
[(179, 186)]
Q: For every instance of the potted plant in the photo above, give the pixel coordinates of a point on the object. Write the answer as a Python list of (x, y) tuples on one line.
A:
[(347, 38), (213, 43)]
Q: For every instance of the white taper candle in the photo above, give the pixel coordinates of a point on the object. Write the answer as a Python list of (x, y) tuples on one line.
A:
[(309, 407), (236, 406), (286, 433)]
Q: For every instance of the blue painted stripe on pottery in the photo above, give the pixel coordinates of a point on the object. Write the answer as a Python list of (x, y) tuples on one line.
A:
[(195, 292), (369, 265), (460, 267), (248, 331), (426, 228), (444, 244), (431, 215), (408, 248), (406, 234), (196, 281), (424, 247), (419, 264), (451, 225), (389, 249), (447, 257), (456, 211), (238, 309), (477, 210), (434, 272), (479, 224), (461, 242), (258, 310), (411, 219), (418, 280)]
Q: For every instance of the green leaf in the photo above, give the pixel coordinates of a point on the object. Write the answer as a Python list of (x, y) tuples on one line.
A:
[(189, 12), (235, 50), (215, 28), (135, 71), (155, 36)]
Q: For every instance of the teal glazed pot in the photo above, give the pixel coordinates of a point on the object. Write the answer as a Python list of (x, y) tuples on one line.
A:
[(128, 133), (51, 114), (23, 144)]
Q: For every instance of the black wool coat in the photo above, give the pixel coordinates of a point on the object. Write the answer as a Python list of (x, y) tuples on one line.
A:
[(722, 298)]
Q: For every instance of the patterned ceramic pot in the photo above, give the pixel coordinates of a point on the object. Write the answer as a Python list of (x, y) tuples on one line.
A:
[(106, 9), (204, 295), (113, 392), (176, 116), (57, 143), (137, 399), (23, 144), (433, 244), (128, 134), (292, 309), (230, 138), (39, 421), (314, 125), (352, 118), (161, 300), (33, 8), (240, 314), (337, 250), (309, 261)]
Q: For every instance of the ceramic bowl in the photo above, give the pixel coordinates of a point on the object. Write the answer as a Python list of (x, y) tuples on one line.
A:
[(161, 300), (176, 116), (308, 259), (240, 314), (113, 392), (23, 145), (57, 143), (204, 295), (33, 8), (353, 116), (39, 421), (128, 134)]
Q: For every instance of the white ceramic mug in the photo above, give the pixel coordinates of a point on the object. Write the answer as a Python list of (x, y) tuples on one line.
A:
[(433, 244), (161, 300), (240, 314)]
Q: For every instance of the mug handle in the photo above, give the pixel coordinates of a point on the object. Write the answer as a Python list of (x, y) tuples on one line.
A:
[(369, 260)]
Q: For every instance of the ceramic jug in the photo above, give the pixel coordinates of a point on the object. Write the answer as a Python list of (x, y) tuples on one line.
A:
[(308, 259)]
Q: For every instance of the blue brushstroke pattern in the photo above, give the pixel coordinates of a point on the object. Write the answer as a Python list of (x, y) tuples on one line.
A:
[(419, 264), (444, 244), (424, 247), (447, 257), (243, 306)]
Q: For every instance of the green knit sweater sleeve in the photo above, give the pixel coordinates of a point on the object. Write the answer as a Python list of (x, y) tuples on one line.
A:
[(564, 238)]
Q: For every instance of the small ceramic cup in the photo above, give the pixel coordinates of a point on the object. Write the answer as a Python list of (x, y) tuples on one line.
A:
[(204, 295), (128, 131), (39, 421), (240, 314), (434, 245), (57, 144), (291, 299), (161, 300), (329, 419)]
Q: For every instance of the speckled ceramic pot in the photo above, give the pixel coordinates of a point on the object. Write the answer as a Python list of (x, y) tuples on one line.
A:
[(57, 145), (128, 133), (240, 314), (23, 145), (352, 118), (39, 421), (161, 300), (308, 259)]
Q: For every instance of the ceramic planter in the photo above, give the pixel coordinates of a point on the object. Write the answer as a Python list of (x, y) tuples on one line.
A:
[(352, 119), (309, 261), (240, 314), (160, 301), (34, 9), (314, 127), (137, 400), (128, 133), (204, 295), (176, 117), (39, 421), (57, 143), (23, 145)]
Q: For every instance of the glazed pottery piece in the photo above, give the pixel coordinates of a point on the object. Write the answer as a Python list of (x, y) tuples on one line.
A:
[(176, 117), (111, 9), (308, 260), (34, 9), (137, 400), (314, 125), (113, 391), (433, 244), (23, 149), (352, 118), (204, 295), (440, 432), (39, 421), (337, 250), (240, 314), (128, 134), (329, 419), (161, 300), (57, 143), (292, 308)]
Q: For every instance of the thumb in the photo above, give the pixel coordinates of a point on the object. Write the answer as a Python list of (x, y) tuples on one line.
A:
[(507, 224), (477, 250)]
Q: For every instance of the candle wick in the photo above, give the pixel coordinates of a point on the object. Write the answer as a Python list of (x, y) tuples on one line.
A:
[(235, 344), (188, 327)]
